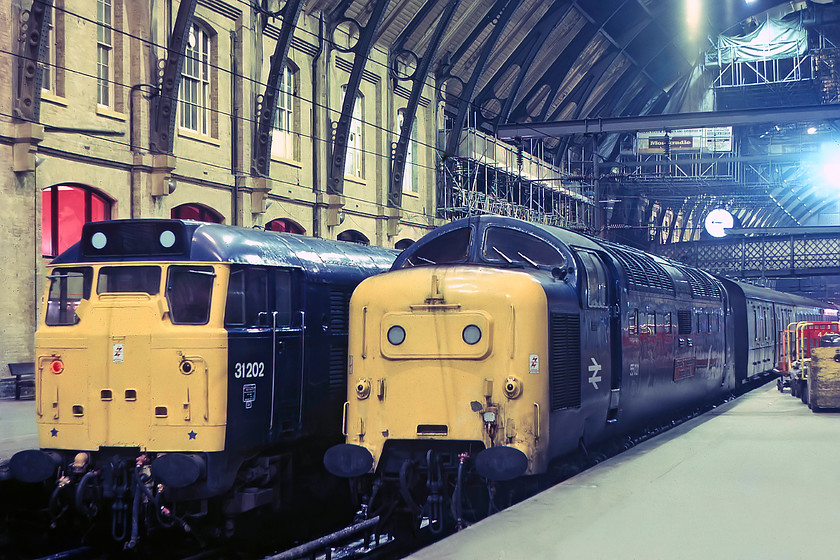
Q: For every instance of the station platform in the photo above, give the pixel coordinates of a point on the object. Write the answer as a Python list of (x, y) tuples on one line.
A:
[(757, 477), (18, 430)]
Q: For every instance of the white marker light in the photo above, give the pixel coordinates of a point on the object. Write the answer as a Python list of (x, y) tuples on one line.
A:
[(98, 240)]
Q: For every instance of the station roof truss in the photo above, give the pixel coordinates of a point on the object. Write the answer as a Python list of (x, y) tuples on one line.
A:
[(500, 64)]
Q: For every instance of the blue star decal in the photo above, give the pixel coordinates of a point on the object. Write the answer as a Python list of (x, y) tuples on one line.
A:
[(53, 432), (192, 434)]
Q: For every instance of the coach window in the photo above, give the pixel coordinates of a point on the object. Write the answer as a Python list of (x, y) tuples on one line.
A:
[(451, 247), (650, 328), (596, 280), (189, 291), (197, 212), (247, 298), (68, 286), (504, 245), (667, 321), (64, 210)]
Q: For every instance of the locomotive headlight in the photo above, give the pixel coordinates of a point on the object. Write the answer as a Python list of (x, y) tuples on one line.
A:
[(362, 389), (187, 367), (57, 366), (396, 335), (471, 334), (512, 387)]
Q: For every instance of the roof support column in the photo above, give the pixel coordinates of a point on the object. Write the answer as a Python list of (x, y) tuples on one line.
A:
[(261, 160), (499, 18), (419, 80), (164, 104), (29, 75), (361, 50)]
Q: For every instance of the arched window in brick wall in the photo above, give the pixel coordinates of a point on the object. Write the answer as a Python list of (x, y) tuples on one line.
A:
[(197, 212), (354, 236), (285, 225), (64, 210)]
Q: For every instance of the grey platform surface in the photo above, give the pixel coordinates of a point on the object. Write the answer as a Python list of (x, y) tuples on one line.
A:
[(17, 427), (758, 477)]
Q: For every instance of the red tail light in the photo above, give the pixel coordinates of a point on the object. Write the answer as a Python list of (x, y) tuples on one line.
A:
[(57, 366)]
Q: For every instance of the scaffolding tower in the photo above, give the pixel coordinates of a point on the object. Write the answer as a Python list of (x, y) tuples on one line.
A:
[(489, 176)]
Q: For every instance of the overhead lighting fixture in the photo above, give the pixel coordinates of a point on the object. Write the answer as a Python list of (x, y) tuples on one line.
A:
[(693, 16), (812, 130), (717, 221), (828, 165)]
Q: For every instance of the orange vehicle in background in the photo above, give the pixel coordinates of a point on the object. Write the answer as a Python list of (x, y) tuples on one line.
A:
[(798, 342)]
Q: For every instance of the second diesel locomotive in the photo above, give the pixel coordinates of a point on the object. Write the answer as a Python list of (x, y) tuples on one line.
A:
[(187, 373), (495, 346)]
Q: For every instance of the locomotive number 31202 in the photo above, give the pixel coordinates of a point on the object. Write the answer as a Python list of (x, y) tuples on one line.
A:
[(248, 369)]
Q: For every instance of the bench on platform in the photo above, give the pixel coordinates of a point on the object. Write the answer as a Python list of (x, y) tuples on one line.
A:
[(24, 374)]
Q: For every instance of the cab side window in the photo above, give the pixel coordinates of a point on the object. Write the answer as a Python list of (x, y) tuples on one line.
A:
[(68, 287), (254, 293), (596, 280), (247, 297)]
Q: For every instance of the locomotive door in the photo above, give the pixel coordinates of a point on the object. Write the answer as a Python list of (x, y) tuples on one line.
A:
[(287, 320), (264, 355), (601, 348)]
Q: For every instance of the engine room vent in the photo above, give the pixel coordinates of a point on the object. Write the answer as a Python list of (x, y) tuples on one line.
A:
[(684, 321), (564, 361), (339, 315), (338, 369), (702, 286)]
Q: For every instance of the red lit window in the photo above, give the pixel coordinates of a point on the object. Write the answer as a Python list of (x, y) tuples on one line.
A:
[(64, 210), (197, 212), (284, 226)]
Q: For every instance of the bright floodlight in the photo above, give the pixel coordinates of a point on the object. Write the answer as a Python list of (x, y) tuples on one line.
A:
[(717, 221), (829, 165)]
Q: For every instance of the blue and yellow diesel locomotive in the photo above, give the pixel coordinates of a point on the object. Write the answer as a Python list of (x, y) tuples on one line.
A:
[(179, 362), (495, 346)]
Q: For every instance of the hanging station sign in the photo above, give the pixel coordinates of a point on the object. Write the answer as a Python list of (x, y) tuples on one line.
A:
[(717, 139)]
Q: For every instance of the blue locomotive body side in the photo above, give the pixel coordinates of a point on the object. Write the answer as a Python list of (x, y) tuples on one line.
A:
[(634, 338)]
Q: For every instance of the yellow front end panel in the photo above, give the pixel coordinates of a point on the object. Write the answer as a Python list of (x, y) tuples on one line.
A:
[(131, 378), (418, 372)]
